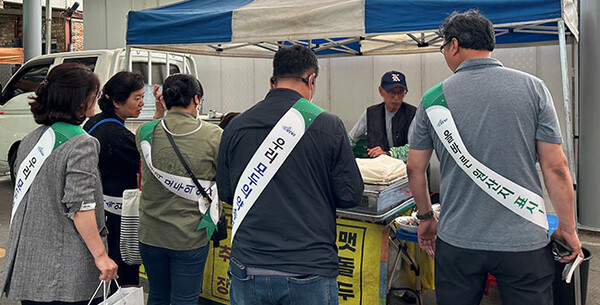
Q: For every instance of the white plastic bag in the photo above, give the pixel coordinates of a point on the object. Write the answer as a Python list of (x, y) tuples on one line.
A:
[(123, 296)]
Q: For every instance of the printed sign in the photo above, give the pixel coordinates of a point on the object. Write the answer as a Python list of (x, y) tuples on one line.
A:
[(360, 261)]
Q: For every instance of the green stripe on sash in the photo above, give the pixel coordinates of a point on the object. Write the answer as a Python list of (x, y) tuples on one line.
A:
[(434, 97), (146, 131), (308, 110), (64, 131)]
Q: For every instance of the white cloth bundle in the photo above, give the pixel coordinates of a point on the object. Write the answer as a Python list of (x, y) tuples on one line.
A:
[(381, 170)]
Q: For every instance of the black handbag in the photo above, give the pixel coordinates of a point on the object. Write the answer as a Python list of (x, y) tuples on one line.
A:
[(221, 232)]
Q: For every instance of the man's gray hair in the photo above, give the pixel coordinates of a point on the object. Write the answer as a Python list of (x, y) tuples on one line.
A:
[(471, 29)]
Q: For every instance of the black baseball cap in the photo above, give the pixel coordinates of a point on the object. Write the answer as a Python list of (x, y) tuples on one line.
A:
[(393, 79)]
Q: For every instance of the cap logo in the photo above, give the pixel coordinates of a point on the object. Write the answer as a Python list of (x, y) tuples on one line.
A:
[(395, 77)]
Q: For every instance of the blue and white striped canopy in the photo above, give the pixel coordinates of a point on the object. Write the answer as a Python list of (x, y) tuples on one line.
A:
[(334, 27)]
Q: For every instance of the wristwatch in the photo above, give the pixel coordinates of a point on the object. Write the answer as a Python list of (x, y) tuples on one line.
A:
[(425, 216)]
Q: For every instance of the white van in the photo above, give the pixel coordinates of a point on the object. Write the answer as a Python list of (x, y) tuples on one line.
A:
[(16, 120)]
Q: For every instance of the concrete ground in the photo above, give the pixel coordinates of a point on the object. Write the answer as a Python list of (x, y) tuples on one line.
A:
[(590, 240)]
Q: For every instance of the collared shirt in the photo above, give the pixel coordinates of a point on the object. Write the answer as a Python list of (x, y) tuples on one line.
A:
[(388, 126), (500, 113)]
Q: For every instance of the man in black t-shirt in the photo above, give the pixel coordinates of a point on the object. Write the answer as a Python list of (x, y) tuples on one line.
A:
[(286, 244)]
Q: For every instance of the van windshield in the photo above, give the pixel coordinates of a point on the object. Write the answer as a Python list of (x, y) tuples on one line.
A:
[(27, 79)]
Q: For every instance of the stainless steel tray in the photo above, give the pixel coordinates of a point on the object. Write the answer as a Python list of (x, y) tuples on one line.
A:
[(385, 217), (378, 199)]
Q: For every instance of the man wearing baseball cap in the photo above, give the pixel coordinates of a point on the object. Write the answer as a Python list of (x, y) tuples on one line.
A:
[(386, 124)]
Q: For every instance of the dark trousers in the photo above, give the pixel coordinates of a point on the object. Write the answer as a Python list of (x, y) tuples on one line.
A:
[(265, 290), (175, 276), (128, 274), (524, 278)]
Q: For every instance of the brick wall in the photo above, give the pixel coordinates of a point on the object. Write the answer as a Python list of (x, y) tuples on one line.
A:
[(7, 30), (78, 35), (58, 33), (11, 27)]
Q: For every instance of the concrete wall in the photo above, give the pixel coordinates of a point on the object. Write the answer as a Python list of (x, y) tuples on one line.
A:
[(346, 86)]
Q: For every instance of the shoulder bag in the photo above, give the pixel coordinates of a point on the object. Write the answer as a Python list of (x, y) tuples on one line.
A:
[(221, 232)]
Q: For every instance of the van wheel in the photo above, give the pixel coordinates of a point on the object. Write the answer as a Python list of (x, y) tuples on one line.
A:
[(12, 157)]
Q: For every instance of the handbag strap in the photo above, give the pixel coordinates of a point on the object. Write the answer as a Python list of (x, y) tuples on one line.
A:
[(187, 168)]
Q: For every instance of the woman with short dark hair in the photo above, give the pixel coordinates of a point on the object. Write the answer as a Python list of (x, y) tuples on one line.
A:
[(173, 243), (121, 98), (57, 245), (64, 95)]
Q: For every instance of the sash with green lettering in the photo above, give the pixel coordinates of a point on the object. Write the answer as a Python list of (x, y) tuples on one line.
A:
[(516, 198), (183, 186), (269, 157), (52, 138)]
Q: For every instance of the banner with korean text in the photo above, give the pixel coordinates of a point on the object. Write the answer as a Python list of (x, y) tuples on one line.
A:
[(363, 252)]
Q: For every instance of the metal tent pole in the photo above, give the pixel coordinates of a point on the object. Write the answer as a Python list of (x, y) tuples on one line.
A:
[(569, 130), (127, 60)]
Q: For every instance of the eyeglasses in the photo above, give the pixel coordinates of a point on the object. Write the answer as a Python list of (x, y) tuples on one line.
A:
[(398, 93), (444, 45), (303, 79)]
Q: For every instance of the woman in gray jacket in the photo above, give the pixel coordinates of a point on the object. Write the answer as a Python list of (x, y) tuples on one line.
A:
[(56, 248)]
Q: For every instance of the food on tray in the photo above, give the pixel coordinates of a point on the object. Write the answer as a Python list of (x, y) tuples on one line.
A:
[(412, 222), (436, 209), (407, 223)]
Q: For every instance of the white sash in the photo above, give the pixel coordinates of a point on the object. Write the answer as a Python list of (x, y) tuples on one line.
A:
[(516, 198), (113, 204), (30, 167), (53, 137), (269, 157)]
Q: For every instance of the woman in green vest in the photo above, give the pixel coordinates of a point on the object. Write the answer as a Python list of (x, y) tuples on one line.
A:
[(173, 245)]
